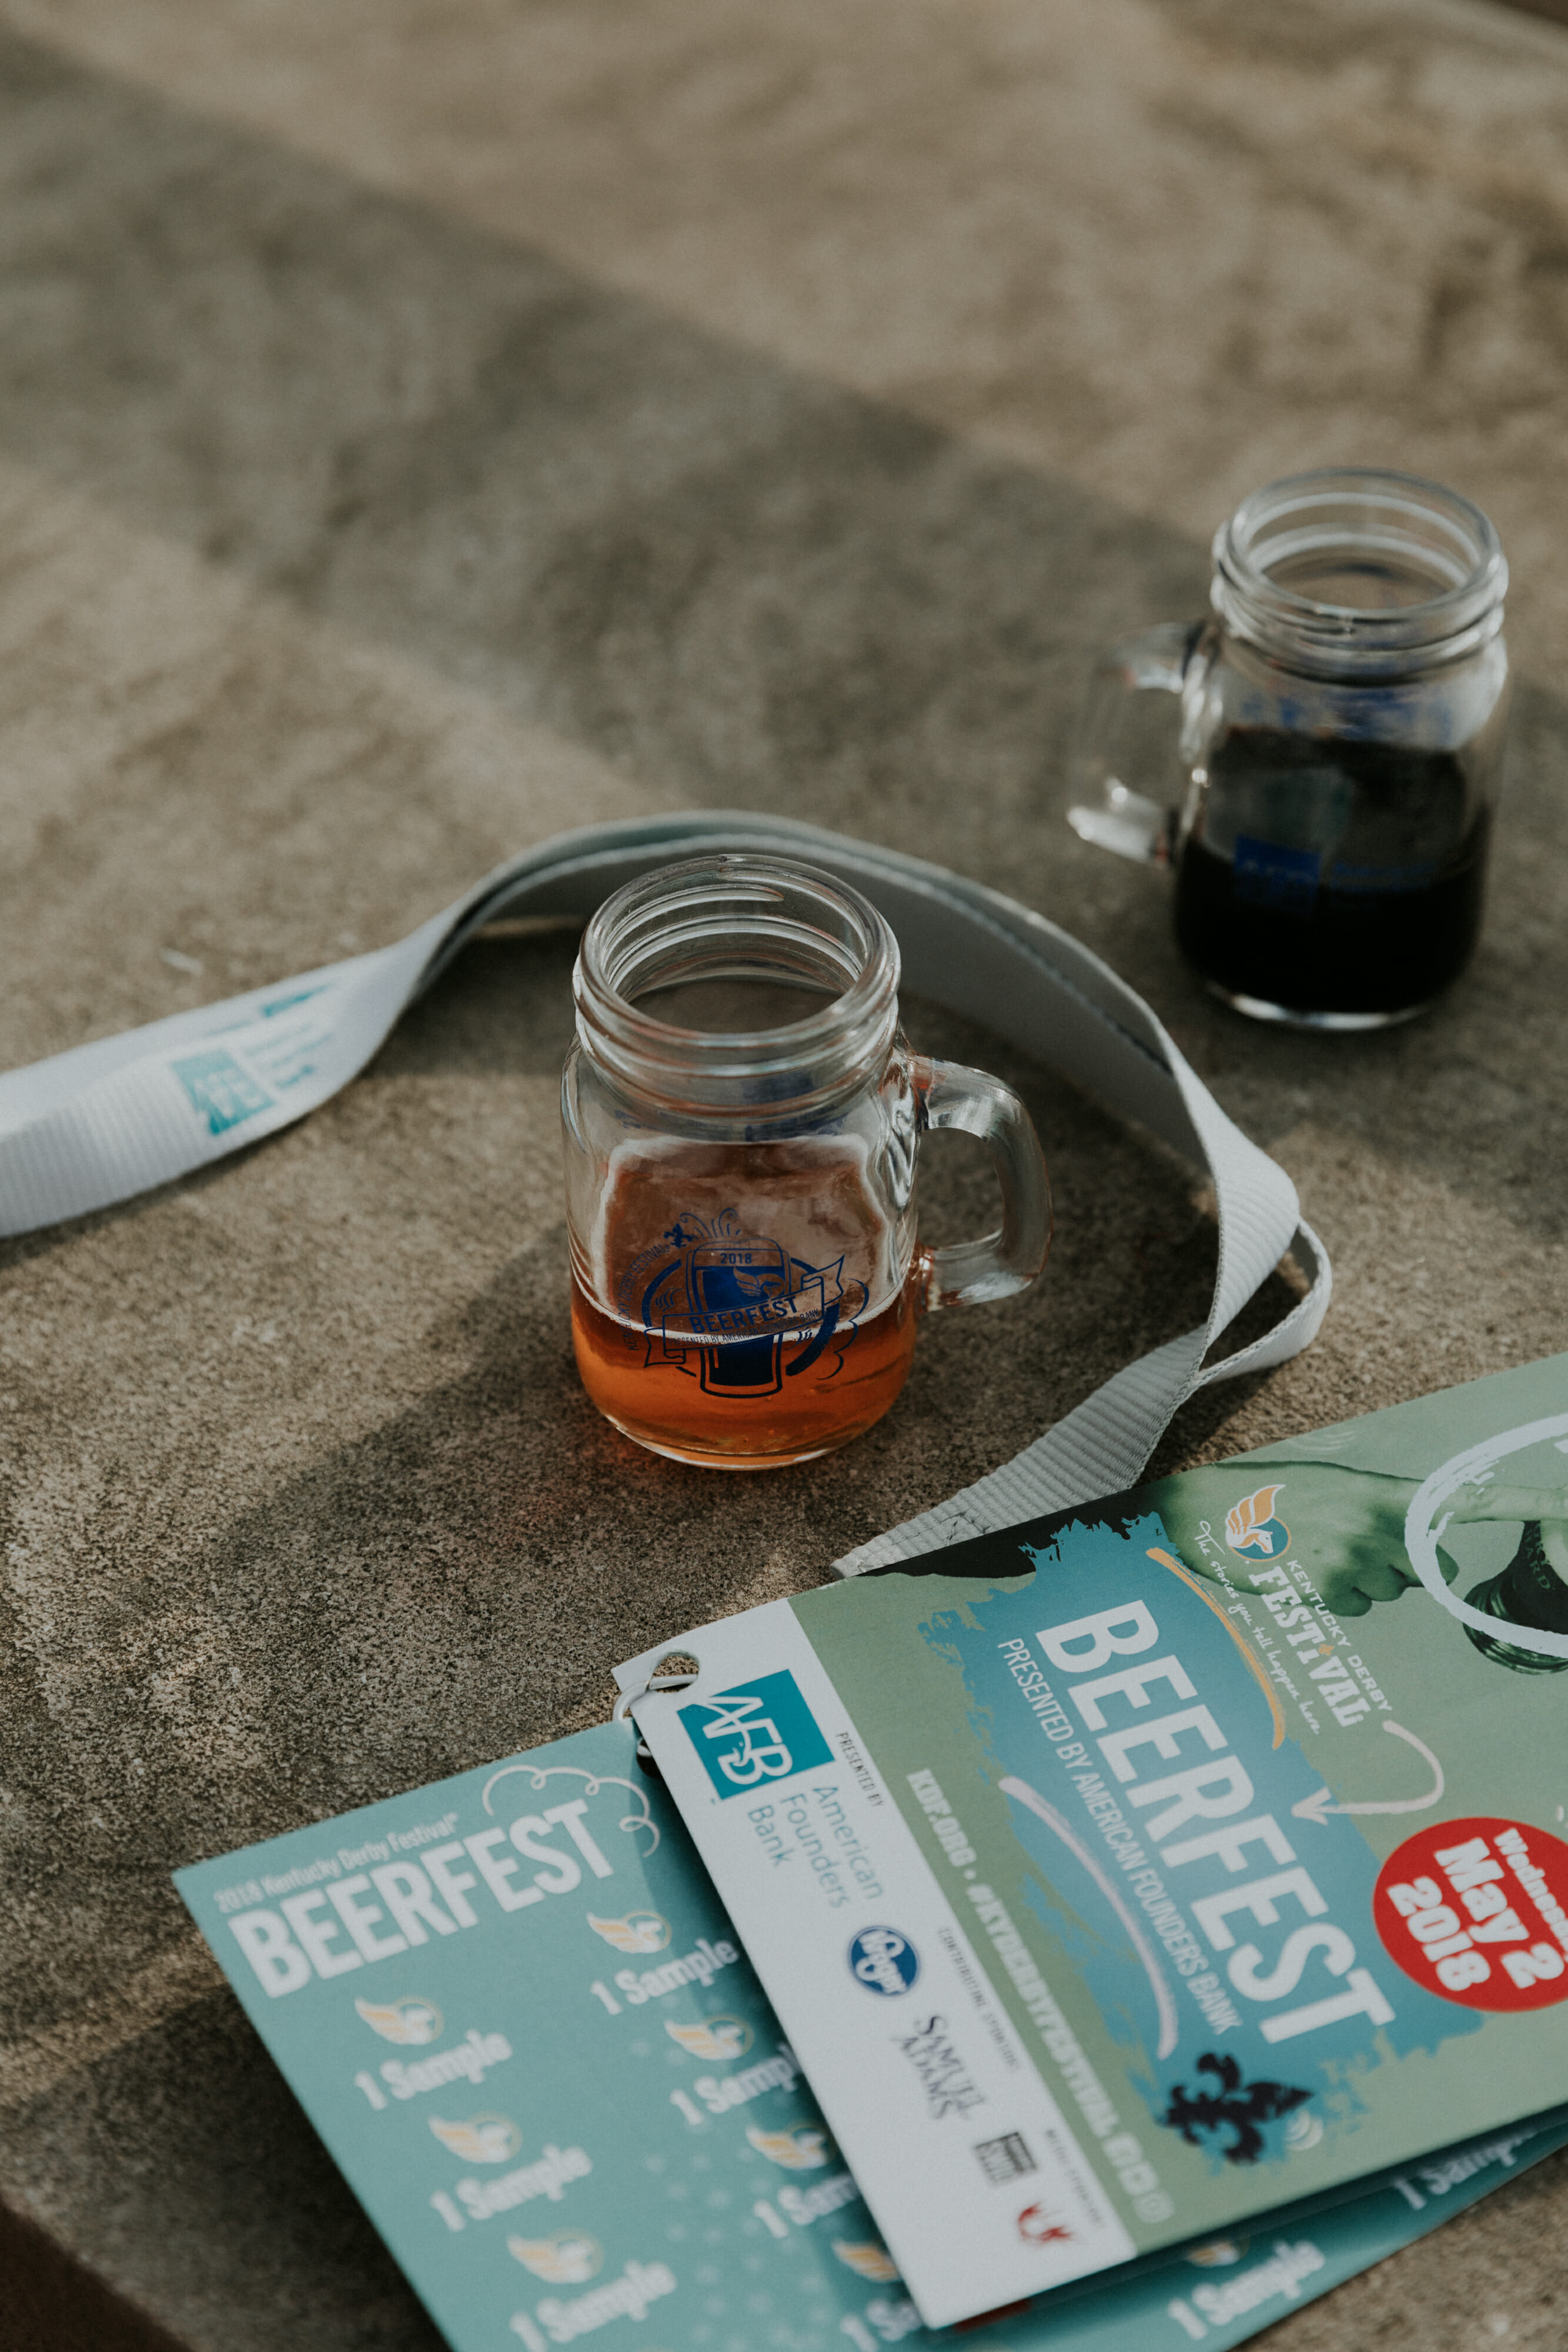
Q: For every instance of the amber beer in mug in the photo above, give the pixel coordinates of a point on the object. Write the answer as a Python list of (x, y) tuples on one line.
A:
[(741, 1120)]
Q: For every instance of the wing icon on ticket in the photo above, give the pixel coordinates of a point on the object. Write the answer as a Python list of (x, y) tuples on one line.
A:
[(797, 2151), (401, 2021), (721, 2038), (867, 2260), (482, 2140), (639, 1931), (568, 2259)]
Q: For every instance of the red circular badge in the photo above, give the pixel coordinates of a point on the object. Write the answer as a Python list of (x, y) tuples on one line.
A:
[(1476, 1911)]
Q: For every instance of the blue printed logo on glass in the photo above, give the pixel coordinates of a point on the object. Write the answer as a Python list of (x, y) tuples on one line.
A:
[(884, 1961), (1264, 874), (736, 1309), (224, 1094), (759, 1731)]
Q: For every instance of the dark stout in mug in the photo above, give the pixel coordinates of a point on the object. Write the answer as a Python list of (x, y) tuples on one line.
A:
[(1333, 877)]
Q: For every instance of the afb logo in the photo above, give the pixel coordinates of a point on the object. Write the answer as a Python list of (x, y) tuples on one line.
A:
[(759, 1731), (884, 1960), (1252, 1529)]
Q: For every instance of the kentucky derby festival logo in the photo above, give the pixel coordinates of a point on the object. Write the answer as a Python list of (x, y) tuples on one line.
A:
[(1252, 1529), (759, 1731), (735, 1311)]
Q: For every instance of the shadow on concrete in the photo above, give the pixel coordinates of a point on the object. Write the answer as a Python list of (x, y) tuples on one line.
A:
[(51, 2305), (395, 1612), (449, 1589), (747, 585), (259, 2238)]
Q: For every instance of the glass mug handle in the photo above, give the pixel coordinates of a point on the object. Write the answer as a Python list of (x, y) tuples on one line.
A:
[(1107, 809), (966, 1274)]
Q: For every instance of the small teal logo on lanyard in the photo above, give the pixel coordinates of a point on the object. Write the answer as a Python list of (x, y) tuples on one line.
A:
[(220, 1091)]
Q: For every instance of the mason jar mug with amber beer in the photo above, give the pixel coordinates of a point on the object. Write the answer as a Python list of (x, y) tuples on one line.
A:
[(742, 1119)]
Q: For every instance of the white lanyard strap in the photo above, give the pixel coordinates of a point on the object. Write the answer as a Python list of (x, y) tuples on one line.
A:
[(114, 1117)]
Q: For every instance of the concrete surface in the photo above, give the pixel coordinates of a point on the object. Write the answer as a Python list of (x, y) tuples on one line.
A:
[(424, 426)]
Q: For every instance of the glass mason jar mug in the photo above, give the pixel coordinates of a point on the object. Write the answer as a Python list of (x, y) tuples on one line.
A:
[(1341, 722), (741, 1118)]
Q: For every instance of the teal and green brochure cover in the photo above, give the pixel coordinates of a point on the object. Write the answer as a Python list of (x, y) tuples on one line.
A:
[(1127, 1875), (514, 2010)]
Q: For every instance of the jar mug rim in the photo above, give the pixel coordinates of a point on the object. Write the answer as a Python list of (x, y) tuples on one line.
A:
[(733, 915), (1396, 524)]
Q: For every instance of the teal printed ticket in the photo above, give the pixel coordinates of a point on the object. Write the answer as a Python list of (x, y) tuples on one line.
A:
[(516, 2012), (1125, 1875)]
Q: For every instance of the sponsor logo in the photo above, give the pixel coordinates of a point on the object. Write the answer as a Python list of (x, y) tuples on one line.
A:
[(219, 1090), (1252, 1530), (1038, 2226), (884, 1961), (759, 1731), (949, 2089), (406, 2022), (1005, 2159)]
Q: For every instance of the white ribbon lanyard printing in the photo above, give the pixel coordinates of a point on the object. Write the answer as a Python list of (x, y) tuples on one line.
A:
[(113, 1118)]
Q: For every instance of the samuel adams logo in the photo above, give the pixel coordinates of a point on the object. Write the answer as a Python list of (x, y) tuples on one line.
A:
[(736, 1310), (884, 1960), (1252, 1529), (757, 1732)]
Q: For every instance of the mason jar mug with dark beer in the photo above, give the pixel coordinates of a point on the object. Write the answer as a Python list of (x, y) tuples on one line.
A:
[(1326, 793)]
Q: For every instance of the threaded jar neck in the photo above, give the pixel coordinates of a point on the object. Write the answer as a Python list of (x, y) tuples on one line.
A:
[(767, 922), (1358, 574)]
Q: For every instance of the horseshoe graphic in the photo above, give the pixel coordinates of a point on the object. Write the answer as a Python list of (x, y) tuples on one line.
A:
[(1316, 1807), (1164, 1999)]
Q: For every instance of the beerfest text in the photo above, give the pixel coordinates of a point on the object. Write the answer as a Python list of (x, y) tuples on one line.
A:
[(1178, 1804)]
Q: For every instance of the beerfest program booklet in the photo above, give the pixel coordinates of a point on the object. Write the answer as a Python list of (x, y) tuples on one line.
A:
[(514, 2010), (1125, 1875)]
